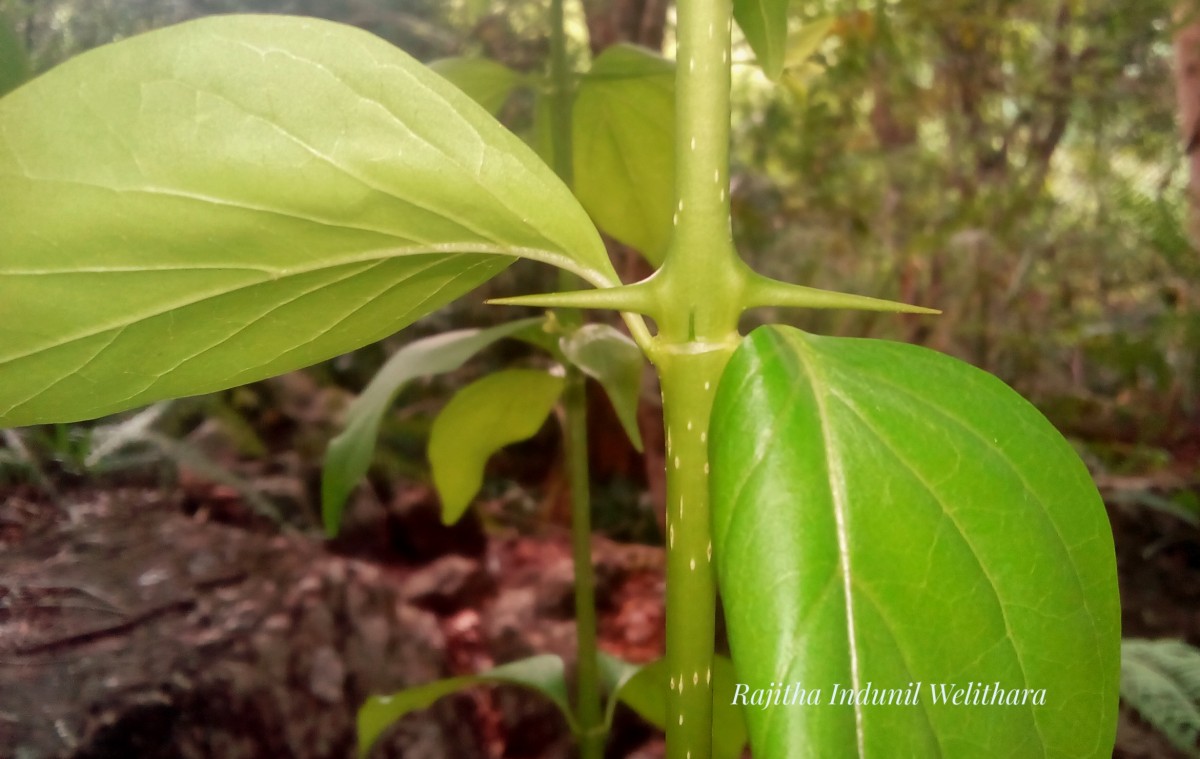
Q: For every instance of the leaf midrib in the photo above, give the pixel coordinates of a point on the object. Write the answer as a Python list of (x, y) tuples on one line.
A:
[(819, 387), (372, 257)]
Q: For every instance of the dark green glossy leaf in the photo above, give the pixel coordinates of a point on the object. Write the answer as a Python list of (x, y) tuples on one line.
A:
[(487, 82), (644, 690), (764, 22), (14, 64), (608, 356), (543, 674), (350, 453), (624, 156), (490, 413), (886, 515), (238, 196)]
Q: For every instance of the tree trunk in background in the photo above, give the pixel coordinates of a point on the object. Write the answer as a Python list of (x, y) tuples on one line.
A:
[(638, 21), (1187, 93)]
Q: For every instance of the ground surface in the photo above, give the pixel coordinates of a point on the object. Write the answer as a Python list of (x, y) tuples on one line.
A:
[(175, 620), (126, 621)]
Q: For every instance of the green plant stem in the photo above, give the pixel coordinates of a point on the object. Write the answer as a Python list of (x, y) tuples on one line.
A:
[(702, 278), (688, 383), (560, 95), (587, 705), (700, 290), (587, 702)]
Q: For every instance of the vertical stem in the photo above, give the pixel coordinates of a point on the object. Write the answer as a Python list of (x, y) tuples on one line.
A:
[(700, 297), (688, 383), (587, 701), (560, 95), (702, 124), (587, 704), (702, 275)]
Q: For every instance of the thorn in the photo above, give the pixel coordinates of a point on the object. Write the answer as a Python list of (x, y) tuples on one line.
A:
[(763, 291), (635, 298)]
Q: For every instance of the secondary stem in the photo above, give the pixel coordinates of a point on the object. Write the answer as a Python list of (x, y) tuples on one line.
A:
[(587, 705), (587, 702), (560, 95)]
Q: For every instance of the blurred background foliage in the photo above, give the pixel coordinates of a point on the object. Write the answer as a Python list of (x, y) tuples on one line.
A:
[(1016, 163)]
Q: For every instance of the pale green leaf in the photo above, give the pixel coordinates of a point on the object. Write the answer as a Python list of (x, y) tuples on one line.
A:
[(1161, 680), (499, 409), (238, 196), (608, 356), (805, 41), (764, 22), (624, 156), (798, 79), (350, 453), (487, 82), (886, 515), (542, 674), (644, 690)]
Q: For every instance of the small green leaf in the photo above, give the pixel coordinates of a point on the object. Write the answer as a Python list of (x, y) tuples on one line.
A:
[(798, 70), (349, 453), (238, 196), (1161, 680), (624, 156), (614, 674), (805, 41), (797, 79), (543, 674), (608, 356), (764, 22), (644, 690), (483, 417), (14, 63), (886, 515), (487, 82)]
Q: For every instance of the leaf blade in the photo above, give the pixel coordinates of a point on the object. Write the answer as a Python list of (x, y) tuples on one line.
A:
[(643, 689), (501, 408), (764, 22), (929, 550), (184, 216), (349, 454), (543, 674), (606, 355), (486, 82), (624, 159), (805, 41)]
